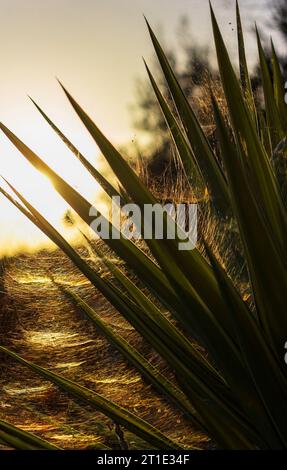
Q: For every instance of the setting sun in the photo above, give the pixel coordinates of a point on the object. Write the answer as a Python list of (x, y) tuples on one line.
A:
[(18, 233)]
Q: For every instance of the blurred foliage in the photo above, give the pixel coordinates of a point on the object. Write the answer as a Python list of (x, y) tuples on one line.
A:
[(280, 16)]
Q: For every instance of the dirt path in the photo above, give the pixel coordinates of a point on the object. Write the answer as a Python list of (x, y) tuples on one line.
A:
[(44, 327)]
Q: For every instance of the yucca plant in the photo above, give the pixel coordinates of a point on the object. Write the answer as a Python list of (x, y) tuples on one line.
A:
[(237, 389)]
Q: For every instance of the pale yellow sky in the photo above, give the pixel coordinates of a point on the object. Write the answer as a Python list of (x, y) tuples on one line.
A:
[(95, 47)]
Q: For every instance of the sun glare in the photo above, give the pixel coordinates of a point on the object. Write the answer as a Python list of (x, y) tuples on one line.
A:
[(17, 233)]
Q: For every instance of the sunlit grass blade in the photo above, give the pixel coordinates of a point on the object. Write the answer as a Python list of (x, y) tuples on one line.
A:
[(274, 121), (115, 412), (137, 190), (22, 440), (243, 67), (187, 158), (103, 182), (206, 160)]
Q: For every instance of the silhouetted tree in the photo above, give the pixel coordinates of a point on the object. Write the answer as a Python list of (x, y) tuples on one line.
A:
[(280, 17)]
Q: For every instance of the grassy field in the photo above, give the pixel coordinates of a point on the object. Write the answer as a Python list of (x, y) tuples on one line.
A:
[(47, 328)]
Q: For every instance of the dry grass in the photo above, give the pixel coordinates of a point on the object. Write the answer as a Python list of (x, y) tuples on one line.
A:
[(51, 332)]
